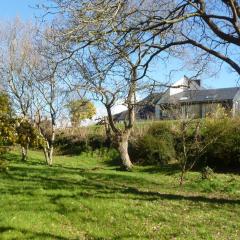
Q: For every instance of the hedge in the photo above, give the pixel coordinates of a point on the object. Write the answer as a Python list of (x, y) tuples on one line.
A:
[(159, 143)]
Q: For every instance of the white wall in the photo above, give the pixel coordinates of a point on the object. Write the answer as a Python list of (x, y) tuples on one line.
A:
[(183, 84)]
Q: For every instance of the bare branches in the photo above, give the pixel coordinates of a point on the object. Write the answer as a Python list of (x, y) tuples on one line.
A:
[(17, 60)]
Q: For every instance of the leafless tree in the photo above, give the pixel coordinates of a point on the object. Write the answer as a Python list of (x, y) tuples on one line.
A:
[(18, 59), (114, 82), (118, 58), (50, 93)]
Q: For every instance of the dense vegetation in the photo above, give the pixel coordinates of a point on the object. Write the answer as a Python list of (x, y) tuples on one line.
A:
[(84, 197), (158, 143)]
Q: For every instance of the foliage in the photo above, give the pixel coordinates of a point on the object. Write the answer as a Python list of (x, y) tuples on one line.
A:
[(156, 146), (7, 124), (26, 133), (224, 153), (5, 106), (7, 133), (80, 110), (74, 144), (157, 143), (46, 130)]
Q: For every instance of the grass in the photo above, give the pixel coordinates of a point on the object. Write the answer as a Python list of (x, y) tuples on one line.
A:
[(86, 197)]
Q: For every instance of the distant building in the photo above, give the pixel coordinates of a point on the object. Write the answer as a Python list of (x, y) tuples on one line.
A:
[(196, 101), (187, 97), (144, 110)]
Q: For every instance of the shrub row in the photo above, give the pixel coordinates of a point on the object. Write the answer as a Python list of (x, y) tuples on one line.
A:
[(220, 144), (161, 143)]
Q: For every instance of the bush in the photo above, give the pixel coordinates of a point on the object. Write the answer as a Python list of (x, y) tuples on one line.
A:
[(207, 173), (7, 124), (7, 133), (224, 153), (71, 145), (27, 134), (220, 141), (155, 147), (74, 143)]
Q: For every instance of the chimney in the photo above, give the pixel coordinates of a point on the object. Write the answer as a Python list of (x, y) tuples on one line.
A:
[(192, 82)]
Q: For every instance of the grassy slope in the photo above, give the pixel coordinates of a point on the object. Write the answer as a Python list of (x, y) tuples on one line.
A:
[(84, 197)]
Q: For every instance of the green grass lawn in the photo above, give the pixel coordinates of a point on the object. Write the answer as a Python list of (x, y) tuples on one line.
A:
[(85, 197)]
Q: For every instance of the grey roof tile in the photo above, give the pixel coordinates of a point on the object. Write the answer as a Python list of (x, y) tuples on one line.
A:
[(203, 95)]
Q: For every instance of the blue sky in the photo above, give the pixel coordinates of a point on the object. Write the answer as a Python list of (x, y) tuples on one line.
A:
[(11, 8)]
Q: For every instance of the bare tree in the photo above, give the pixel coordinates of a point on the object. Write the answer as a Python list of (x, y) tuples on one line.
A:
[(50, 93), (18, 59), (112, 84), (118, 58), (115, 74), (209, 29)]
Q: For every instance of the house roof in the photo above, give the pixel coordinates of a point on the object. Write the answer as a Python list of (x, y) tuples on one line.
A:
[(151, 99), (120, 116), (203, 95)]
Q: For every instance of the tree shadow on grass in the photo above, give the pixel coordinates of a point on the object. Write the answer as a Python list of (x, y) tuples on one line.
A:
[(11, 157), (169, 169), (30, 234), (177, 197), (59, 186), (93, 185), (16, 158), (52, 189)]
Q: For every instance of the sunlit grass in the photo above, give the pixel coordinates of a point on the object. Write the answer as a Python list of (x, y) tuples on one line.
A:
[(86, 197)]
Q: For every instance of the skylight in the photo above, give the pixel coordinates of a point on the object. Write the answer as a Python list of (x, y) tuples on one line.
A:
[(209, 97), (183, 98)]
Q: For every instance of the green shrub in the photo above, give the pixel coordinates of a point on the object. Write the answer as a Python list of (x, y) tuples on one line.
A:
[(155, 147), (224, 153), (70, 145), (74, 144), (27, 134), (207, 173), (7, 124)]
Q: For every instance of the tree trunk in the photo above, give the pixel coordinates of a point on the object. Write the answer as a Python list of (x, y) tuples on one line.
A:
[(48, 153), (50, 156), (122, 137), (108, 132), (51, 145), (45, 150), (182, 177), (183, 170), (48, 149), (123, 150), (24, 153)]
